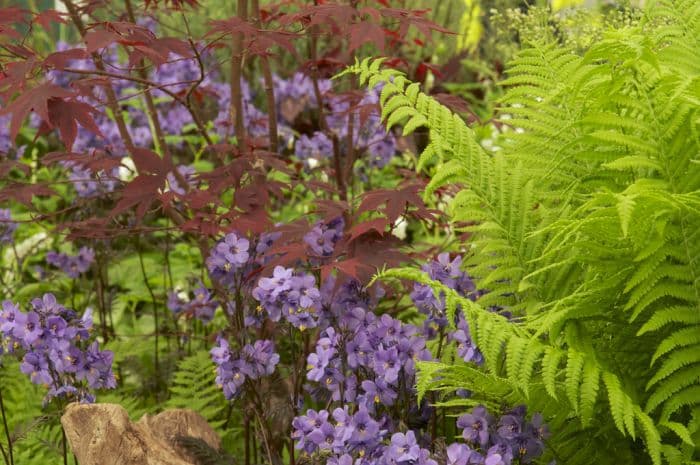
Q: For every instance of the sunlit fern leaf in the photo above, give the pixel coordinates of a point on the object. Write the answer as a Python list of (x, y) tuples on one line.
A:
[(193, 387)]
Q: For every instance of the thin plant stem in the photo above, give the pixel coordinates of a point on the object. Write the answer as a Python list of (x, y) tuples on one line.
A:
[(236, 110), (7, 433), (246, 439), (154, 302), (269, 86)]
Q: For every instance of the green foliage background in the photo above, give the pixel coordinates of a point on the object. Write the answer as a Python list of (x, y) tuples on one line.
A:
[(584, 219)]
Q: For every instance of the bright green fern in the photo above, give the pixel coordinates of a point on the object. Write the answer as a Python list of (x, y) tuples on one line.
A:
[(585, 224)]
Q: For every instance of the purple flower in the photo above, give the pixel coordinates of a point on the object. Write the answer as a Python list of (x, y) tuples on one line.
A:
[(75, 362), (230, 255), (174, 303), (310, 430), (56, 327), (231, 377), (11, 319), (73, 266), (32, 329), (323, 437), (265, 242), (509, 426), (386, 364), (379, 392), (222, 352), (404, 448), (59, 353), (317, 363), (475, 426), (320, 241), (458, 454), (97, 368), (537, 428), (495, 459), (272, 287), (36, 366), (465, 347), (262, 358), (47, 305), (187, 173), (366, 433)]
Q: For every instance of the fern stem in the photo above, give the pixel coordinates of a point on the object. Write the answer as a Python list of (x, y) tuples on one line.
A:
[(7, 434), (265, 441)]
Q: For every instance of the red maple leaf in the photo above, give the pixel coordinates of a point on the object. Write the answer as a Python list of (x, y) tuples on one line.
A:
[(63, 59), (24, 193), (64, 114), (393, 203), (36, 99), (47, 18), (363, 32)]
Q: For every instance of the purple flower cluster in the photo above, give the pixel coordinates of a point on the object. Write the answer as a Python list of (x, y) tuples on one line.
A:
[(72, 265), (356, 439), (294, 297), (297, 94), (360, 439), (55, 349), (367, 359), (252, 362), (7, 226), (498, 442), (358, 433), (323, 237), (188, 173), (88, 183), (228, 258), (313, 149), (449, 273)]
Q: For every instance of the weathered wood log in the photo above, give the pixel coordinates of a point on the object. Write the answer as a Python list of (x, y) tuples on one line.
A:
[(102, 434)]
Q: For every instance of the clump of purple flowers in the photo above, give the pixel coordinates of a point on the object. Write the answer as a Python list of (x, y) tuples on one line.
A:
[(367, 359), (448, 272), (252, 362), (356, 438), (499, 441), (323, 237), (72, 265), (313, 149), (7, 226), (294, 297), (55, 348), (228, 257)]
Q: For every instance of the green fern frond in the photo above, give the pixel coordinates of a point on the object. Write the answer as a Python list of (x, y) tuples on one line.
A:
[(193, 387), (585, 223)]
